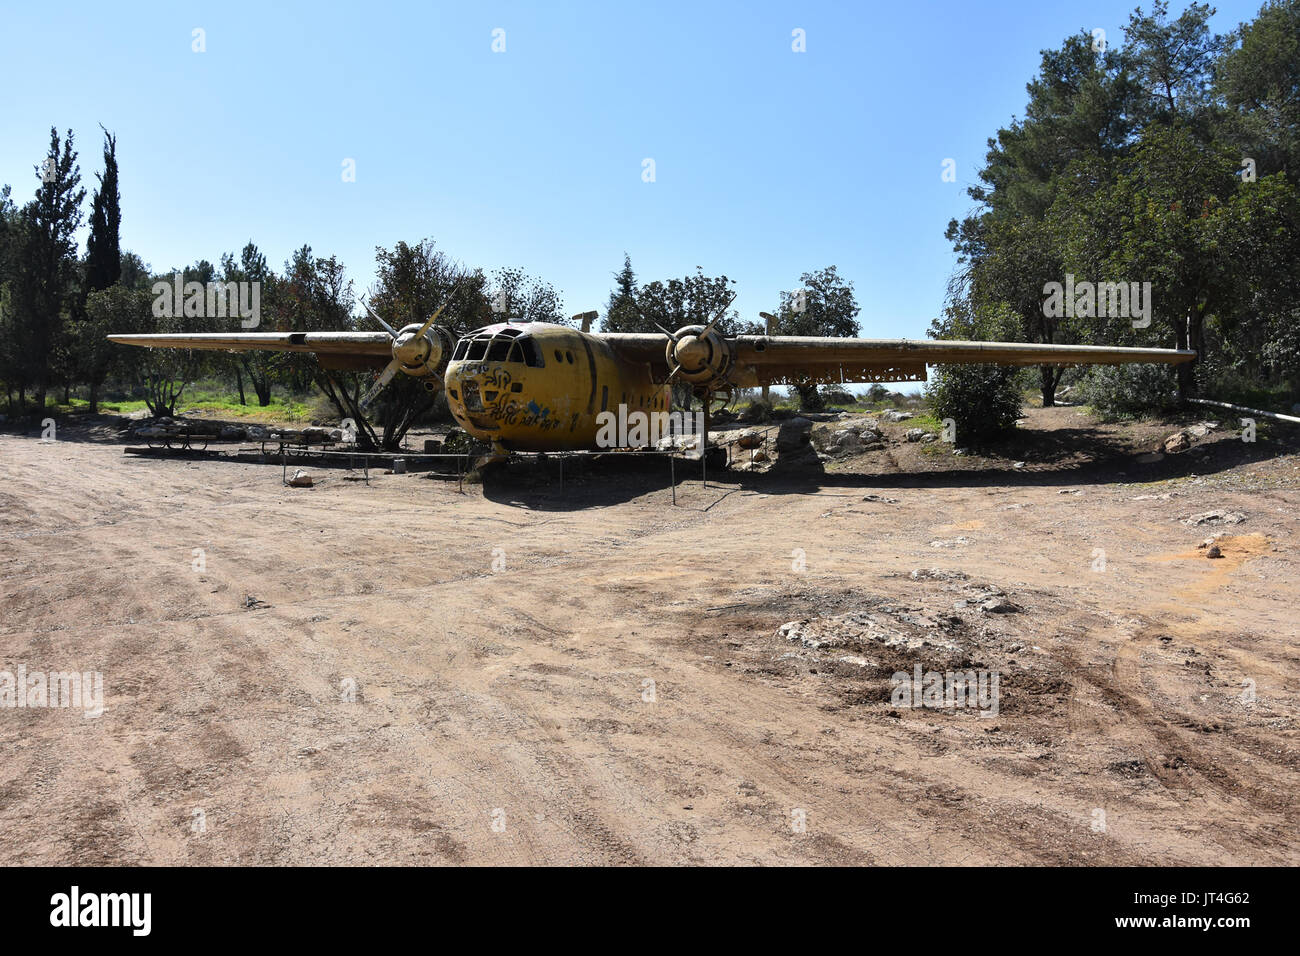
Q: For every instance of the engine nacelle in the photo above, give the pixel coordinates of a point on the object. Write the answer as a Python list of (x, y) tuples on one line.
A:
[(423, 356), (703, 360)]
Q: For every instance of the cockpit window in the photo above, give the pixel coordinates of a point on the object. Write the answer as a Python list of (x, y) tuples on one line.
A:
[(532, 354), (501, 345)]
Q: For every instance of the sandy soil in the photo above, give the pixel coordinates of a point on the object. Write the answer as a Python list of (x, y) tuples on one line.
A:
[(617, 690)]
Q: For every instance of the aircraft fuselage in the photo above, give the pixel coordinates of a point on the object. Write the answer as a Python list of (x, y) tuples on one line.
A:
[(540, 387)]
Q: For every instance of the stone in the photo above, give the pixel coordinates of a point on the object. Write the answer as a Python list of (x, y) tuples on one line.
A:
[(914, 434), (750, 439), (896, 416), (998, 605), (793, 434), (1213, 551), (300, 479), (761, 455), (1217, 516), (1179, 441)]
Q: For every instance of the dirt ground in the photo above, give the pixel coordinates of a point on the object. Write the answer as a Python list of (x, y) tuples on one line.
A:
[(394, 672)]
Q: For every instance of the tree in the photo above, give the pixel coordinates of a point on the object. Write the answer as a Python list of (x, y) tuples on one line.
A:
[(518, 297), (259, 367), (824, 306), (1172, 62), (412, 281), (692, 300), (620, 312), (118, 308), (1078, 119), (1259, 81), (44, 260), (166, 373), (103, 246), (1159, 222), (982, 400)]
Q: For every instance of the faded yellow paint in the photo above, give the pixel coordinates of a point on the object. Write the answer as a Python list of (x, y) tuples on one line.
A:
[(497, 396)]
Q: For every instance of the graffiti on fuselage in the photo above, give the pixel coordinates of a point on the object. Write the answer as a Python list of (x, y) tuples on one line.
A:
[(492, 375), (506, 409)]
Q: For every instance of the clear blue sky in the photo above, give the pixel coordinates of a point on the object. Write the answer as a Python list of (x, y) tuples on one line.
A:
[(768, 162)]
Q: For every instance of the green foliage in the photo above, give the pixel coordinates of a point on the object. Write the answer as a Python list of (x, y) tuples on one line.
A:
[(518, 297), (103, 246), (114, 309), (43, 275), (1129, 390), (1129, 166), (983, 400), (824, 305), (1258, 78), (692, 300), (620, 312)]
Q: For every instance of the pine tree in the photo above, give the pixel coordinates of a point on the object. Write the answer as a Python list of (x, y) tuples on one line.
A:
[(45, 263), (621, 314), (103, 247)]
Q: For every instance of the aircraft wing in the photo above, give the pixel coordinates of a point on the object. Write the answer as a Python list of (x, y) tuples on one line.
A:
[(335, 350), (796, 359)]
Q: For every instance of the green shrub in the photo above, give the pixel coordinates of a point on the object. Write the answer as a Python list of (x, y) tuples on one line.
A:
[(757, 412), (1129, 390), (983, 400)]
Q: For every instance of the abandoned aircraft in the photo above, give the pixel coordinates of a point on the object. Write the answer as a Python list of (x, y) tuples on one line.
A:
[(538, 386)]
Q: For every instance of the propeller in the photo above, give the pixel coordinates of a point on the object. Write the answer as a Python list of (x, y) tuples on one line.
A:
[(697, 354), (700, 356), (412, 351)]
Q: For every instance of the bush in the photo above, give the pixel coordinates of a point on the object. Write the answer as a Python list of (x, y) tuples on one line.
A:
[(757, 411), (983, 400), (1129, 390)]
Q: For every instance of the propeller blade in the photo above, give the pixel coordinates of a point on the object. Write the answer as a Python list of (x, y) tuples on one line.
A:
[(385, 377), (717, 318), (445, 302), (387, 328)]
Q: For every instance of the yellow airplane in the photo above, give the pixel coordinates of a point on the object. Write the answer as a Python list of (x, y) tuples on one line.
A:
[(539, 386)]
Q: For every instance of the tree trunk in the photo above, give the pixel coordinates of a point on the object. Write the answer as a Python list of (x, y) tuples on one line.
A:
[(810, 399), (239, 378), (94, 398), (1186, 383), (1049, 378)]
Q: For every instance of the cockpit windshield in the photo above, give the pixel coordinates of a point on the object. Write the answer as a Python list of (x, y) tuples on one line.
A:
[(504, 345)]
